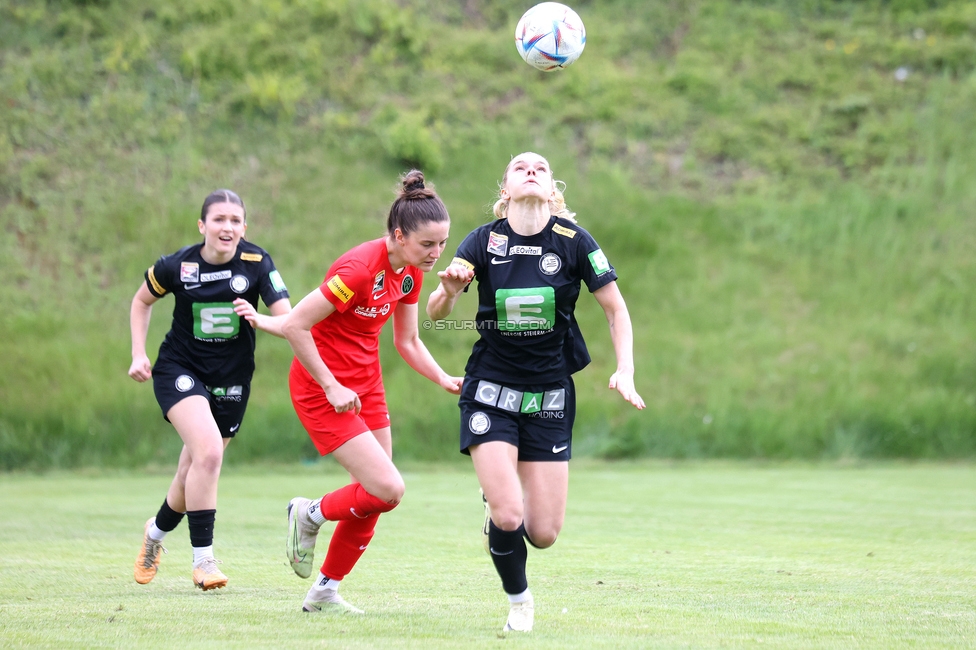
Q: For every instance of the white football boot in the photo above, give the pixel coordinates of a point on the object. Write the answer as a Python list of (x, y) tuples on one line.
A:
[(302, 533), (327, 601), (520, 617)]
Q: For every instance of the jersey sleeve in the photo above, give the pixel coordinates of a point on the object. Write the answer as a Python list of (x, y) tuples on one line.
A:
[(270, 284), (471, 253), (161, 277), (346, 283), (595, 268)]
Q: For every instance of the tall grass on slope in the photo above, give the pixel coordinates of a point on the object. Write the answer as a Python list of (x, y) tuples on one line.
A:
[(784, 188)]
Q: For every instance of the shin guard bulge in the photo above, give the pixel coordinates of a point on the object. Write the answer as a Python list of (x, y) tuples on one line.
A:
[(508, 553), (352, 502)]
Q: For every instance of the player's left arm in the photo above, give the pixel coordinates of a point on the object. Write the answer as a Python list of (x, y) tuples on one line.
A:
[(622, 335), (406, 338), (271, 324)]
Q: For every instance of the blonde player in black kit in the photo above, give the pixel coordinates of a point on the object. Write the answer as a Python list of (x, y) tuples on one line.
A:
[(518, 400), (202, 375)]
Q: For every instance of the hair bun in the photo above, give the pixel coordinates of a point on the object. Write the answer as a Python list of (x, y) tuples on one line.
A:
[(413, 180)]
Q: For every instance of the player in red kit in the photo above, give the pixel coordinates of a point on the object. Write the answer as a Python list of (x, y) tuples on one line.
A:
[(337, 385)]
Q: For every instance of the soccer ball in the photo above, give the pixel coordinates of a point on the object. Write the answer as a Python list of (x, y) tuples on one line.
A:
[(550, 36)]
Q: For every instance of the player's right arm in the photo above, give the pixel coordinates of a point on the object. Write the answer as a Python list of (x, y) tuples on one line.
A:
[(453, 281), (455, 278), (139, 314), (297, 328)]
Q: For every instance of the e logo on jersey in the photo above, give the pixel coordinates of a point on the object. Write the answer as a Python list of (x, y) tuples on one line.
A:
[(479, 423), (526, 309), (550, 264), (215, 320), (379, 281), (239, 284), (407, 285)]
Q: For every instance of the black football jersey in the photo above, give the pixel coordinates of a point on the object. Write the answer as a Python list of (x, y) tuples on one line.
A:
[(527, 292), (206, 335)]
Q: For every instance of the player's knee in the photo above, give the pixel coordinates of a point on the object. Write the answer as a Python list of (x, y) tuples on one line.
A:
[(543, 538), (390, 489), (507, 517), (209, 461)]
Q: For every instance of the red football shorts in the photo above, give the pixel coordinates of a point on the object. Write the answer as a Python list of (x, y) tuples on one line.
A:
[(327, 429)]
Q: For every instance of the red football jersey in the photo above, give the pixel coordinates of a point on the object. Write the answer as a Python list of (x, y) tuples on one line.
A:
[(365, 290)]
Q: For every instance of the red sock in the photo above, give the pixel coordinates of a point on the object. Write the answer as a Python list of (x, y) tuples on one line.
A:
[(349, 541), (352, 502)]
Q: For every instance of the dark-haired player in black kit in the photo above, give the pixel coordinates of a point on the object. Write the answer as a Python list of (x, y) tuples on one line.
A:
[(202, 375), (518, 401)]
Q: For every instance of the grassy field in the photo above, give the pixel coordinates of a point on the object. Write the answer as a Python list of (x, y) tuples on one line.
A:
[(653, 555)]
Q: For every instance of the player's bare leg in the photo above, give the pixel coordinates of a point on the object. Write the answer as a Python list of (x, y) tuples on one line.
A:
[(194, 422), (544, 489), (496, 464)]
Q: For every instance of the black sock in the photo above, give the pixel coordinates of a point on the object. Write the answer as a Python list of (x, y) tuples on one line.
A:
[(201, 527), (167, 519), (507, 549)]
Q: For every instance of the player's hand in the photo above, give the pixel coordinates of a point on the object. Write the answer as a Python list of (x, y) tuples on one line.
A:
[(624, 383), (454, 278), (141, 368), (452, 384), (246, 310), (343, 399)]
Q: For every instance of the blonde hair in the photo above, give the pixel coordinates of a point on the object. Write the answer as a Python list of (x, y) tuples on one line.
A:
[(557, 204)]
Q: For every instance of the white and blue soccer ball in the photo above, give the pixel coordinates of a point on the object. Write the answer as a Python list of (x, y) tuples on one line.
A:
[(550, 36)]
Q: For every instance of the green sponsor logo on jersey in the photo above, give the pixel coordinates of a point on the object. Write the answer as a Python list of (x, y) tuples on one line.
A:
[(215, 320), (599, 262), (276, 282), (520, 310)]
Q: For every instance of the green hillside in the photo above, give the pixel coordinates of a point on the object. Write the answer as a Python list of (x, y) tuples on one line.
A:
[(785, 188)]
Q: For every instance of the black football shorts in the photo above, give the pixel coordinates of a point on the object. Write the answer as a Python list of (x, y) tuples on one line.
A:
[(536, 418), (173, 382)]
